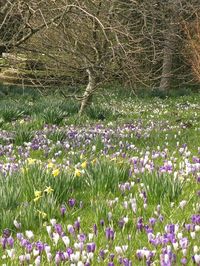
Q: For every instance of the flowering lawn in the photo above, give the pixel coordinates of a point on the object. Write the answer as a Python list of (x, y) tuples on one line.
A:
[(120, 186)]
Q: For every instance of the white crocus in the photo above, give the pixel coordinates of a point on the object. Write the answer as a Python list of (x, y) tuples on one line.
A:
[(197, 258), (66, 241), (56, 238), (11, 253), (29, 234), (118, 250), (48, 227), (53, 222), (193, 235)]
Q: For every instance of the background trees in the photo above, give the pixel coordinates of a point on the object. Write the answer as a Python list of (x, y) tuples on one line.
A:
[(140, 43)]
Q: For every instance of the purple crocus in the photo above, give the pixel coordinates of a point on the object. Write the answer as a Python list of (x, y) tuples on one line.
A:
[(110, 233), (6, 233), (71, 202), (102, 254), (102, 222), (91, 247), (77, 225), (58, 229), (95, 229), (62, 211), (184, 261), (3, 242), (40, 246), (10, 241)]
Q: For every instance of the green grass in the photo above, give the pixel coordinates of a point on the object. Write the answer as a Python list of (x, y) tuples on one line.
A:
[(135, 133)]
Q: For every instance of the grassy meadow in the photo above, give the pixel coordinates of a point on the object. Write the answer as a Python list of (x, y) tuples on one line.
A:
[(118, 186)]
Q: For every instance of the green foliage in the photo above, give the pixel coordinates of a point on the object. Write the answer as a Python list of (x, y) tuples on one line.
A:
[(23, 135), (9, 113), (53, 115)]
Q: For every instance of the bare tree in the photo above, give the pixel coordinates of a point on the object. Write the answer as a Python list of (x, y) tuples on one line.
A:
[(83, 36), (134, 41)]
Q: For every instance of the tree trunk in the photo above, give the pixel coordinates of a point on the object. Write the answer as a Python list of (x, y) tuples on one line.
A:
[(168, 52), (87, 96)]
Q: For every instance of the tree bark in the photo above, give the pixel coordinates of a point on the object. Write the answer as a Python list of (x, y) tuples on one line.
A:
[(168, 51), (87, 96)]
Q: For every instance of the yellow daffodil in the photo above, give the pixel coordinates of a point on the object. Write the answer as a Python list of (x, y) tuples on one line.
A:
[(84, 165), (24, 170), (56, 172), (38, 193), (48, 190), (94, 161), (43, 214), (31, 161), (77, 172), (37, 198), (21, 121), (50, 165)]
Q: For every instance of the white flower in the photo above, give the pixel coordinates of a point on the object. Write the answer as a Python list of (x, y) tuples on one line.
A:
[(166, 258), (75, 257), (80, 263), (193, 234), (90, 256), (16, 224), (69, 227), (118, 250), (125, 204), (182, 204), (28, 257), (29, 234), (197, 258), (35, 252), (37, 261), (11, 253), (196, 249), (126, 220), (146, 253), (66, 241), (124, 248), (56, 238), (47, 249), (49, 257), (197, 228), (90, 236), (184, 252), (53, 222), (109, 216), (180, 235), (175, 245), (48, 229)]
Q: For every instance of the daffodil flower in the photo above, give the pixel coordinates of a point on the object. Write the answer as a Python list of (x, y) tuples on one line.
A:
[(37, 198), (56, 172), (77, 172), (84, 165), (48, 190), (50, 165), (38, 193), (43, 214), (31, 161)]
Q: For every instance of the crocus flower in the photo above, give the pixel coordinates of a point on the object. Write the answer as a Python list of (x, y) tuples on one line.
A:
[(72, 202), (110, 233), (16, 224), (91, 247), (62, 210)]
